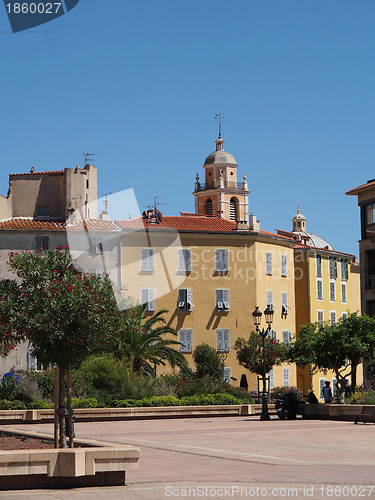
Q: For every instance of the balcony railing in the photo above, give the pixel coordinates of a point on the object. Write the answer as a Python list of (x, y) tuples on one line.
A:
[(200, 186)]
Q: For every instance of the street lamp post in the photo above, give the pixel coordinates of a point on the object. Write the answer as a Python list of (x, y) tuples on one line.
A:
[(268, 313)]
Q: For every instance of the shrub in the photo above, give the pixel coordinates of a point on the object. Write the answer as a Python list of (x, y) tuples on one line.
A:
[(40, 404), (4, 404), (85, 403), (17, 405), (277, 392), (207, 362)]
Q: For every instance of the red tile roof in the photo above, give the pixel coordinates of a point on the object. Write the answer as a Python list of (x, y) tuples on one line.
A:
[(319, 249), (53, 172), (360, 188), (191, 223), (17, 224)]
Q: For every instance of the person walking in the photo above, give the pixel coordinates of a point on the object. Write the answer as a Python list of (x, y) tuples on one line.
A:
[(327, 393)]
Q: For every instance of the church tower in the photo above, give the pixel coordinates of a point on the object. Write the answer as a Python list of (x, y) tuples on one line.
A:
[(220, 194)]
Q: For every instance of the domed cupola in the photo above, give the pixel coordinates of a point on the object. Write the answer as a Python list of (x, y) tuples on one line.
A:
[(311, 239), (299, 222)]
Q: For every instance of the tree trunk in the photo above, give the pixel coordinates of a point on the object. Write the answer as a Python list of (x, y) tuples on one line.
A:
[(62, 409), (69, 406), (56, 407), (354, 375)]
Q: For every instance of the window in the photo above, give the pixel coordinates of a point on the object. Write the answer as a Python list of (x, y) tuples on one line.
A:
[(147, 259), (269, 298), (319, 289), (222, 340), (41, 242), (222, 300), (209, 209), (284, 303), (344, 315), (287, 337), (31, 361), (97, 272), (269, 263), (185, 299), (221, 260), (283, 266), (320, 317), (322, 382), (332, 292), (332, 317), (286, 377), (43, 211), (227, 374), (318, 265), (148, 297), (271, 379), (343, 293), (186, 339), (184, 260), (233, 209), (98, 245), (344, 270), (370, 209), (332, 268), (272, 334)]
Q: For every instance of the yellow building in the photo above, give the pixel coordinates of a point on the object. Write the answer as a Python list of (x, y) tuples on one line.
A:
[(211, 269), (326, 289)]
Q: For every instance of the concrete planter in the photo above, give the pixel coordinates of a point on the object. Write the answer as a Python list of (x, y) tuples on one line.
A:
[(96, 463)]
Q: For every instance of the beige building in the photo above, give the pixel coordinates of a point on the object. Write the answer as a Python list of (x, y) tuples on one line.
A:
[(326, 289)]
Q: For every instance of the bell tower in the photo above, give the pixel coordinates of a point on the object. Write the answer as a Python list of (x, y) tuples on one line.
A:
[(220, 194)]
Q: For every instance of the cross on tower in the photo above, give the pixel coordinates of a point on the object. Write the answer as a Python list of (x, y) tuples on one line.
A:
[(219, 117)]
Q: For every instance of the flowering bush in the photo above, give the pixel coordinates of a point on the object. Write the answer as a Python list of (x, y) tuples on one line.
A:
[(250, 353)]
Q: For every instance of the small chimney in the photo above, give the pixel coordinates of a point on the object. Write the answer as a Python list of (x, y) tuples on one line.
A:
[(241, 225), (254, 223)]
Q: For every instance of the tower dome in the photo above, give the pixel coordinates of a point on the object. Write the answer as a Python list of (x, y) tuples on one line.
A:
[(220, 157), (299, 228)]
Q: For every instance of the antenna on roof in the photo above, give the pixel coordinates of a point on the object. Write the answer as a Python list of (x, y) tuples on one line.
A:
[(105, 201), (87, 155), (219, 117)]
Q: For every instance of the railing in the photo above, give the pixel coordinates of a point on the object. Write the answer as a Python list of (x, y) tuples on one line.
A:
[(200, 186)]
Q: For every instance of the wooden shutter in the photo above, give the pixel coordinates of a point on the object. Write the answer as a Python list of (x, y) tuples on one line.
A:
[(147, 259), (151, 299), (319, 285), (332, 297), (227, 374), (269, 298), (220, 340), (343, 293), (287, 337), (320, 317), (186, 338), (189, 298), (318, 265), (272, 379)]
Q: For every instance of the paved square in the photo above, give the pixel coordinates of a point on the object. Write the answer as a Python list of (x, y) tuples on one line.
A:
[(233, 457)]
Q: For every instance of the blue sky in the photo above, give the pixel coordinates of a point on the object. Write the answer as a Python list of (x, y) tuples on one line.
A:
[(140, 83)]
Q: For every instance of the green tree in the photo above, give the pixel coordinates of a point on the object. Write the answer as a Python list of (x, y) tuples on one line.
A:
[(250, 353), (65, 316), (331, 346), (207, 362), (140, 341)]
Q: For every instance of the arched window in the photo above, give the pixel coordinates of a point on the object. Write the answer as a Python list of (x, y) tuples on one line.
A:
[(209, 206), (233, 208)]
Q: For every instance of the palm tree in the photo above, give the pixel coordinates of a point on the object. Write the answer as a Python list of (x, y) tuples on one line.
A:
[(140, 342)]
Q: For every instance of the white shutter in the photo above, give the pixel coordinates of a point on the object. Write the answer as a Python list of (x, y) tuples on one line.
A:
[(332, 294), (184, 260), (147, 259), (287, 337), (286, 377), (226, 341), (219, 300), (269, 298), (283, 266), (319, 289), (31, 361), (318, 265), (221, 260), (343, 293), (333, 317), (151, 299), (227, 374), (186, 338), (322, 382), (268, 263), (189, 298), (220, 340), (226, 299), (320, 317), (272, 379)]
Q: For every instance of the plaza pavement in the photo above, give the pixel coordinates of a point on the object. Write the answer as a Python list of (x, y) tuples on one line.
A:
[(231, 457)]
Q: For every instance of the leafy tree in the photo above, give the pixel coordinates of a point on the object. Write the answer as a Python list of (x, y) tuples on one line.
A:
[(331, 346), (140, 341), (250, 353), (207, 362), (65, 316)]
